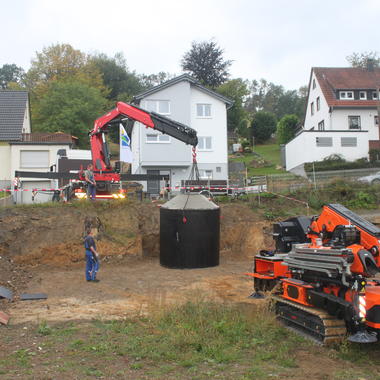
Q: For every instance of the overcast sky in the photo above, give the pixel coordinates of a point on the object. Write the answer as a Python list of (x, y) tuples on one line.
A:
[(273, 39)]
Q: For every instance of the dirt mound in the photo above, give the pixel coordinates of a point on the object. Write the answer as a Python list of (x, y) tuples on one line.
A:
[(54, 235)]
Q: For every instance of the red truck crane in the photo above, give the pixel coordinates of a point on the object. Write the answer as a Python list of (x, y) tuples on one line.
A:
[(107, 177)]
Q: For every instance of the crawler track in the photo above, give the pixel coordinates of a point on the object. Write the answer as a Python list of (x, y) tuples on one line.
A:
[(315, 324)]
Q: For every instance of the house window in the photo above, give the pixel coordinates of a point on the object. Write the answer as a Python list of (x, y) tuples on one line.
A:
[(34, 159), (354, 122), (314, 85), (374, 95), (346, 95), (363, 95), (321, 125), (376, 120), (157, 138), (218, 169), (348, 141), (204, 110), (323, 141), (312, 108), (205, 174), (318, 103), (160, 106), (204, 143)]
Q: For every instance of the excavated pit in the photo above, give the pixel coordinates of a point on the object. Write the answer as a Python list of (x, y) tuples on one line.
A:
[(41, 250)]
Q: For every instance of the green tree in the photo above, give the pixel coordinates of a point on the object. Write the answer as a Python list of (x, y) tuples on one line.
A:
[(10, 74), (263, 126), (364, 60), (152, 80), (206, 63), (71, 107), (286, 128), (122, 83), (236, 90), (61, 62), (267, 96)]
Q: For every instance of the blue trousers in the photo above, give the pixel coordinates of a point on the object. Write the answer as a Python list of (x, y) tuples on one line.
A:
[(92, 266), (91, 191)]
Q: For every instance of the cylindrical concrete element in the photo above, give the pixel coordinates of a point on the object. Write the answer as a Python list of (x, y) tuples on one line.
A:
[(189, 232)]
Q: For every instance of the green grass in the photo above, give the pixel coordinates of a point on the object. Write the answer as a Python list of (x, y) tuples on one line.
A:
[(4, 194), (196, 340), (270, 153)]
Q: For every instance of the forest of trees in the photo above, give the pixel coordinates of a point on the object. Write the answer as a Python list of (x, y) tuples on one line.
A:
[(69, 89)]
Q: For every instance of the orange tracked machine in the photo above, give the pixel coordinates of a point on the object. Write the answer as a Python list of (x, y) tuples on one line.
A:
[(322, 275)]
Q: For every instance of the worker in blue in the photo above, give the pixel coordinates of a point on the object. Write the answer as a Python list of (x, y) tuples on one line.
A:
[(92, 257)]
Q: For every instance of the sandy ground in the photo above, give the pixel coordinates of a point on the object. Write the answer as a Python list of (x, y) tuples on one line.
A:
[(130, 286)]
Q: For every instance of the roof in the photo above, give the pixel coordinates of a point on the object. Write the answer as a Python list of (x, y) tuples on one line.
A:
[(12, 112), (347, 78), (47, 138), (181, 78)]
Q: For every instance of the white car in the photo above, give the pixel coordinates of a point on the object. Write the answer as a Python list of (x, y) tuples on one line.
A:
[(373, 179)]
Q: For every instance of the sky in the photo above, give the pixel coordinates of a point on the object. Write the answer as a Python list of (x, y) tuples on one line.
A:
[(273, 39)]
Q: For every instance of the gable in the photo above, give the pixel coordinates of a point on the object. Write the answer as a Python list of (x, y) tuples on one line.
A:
[(13, 105)]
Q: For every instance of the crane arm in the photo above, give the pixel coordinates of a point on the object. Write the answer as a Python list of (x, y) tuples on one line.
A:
[(99, 148)]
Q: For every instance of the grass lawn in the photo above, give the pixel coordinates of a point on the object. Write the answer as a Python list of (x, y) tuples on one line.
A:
[(193, 341), (3, 194), (270, 153)]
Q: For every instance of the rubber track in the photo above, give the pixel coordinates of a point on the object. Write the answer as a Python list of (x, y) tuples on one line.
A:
[(334, 329)]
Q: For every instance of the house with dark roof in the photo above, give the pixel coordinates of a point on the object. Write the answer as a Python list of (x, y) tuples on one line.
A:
[(185, 100), (341, 116), (20, 149)]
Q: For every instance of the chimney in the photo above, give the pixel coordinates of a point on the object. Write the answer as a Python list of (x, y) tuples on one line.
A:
[(370, 64)]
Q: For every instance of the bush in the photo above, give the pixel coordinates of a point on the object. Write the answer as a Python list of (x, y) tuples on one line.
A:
[(263, 126), (349, 193), (337, 162), (374, 155), (286, 128)]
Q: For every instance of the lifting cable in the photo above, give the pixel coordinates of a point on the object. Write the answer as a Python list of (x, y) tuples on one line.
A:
[(194, 176)]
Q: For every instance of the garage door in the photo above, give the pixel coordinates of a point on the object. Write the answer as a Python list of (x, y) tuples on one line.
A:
[(40, 197)]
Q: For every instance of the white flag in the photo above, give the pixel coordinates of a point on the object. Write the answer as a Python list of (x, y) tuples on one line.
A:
[(125, 146)]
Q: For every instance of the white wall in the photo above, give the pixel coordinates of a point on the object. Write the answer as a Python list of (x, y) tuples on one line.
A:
[(323, 114), (15, 153), (339, 120), (303, 148), (5, 159), (215, 126)]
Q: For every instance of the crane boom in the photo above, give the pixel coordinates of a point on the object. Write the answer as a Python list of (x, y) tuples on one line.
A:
[(99, 148)]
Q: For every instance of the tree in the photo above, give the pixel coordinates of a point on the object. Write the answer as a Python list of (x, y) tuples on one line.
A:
[(364, 60), (62, 62), (236, 90), (286, 128), (267, 96), (122, 83), (152, 80), (10, 74), (206, 63), (263, 126), (71, 107)]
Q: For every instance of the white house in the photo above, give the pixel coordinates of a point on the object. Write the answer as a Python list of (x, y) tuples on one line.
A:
[(184, 100), (341, 116), (22, 150)]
